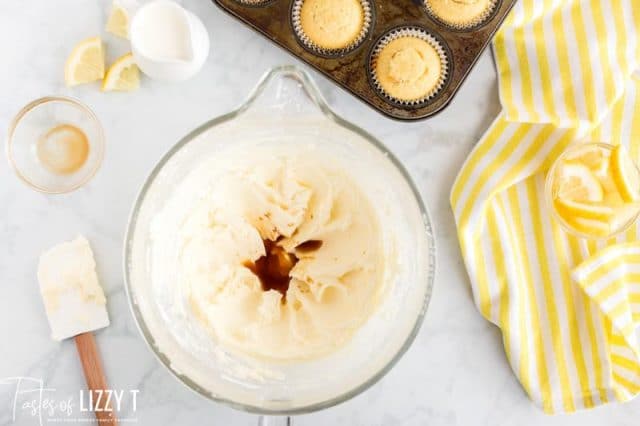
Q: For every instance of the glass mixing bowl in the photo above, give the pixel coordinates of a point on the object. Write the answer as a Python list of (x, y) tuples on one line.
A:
[(286, 106)]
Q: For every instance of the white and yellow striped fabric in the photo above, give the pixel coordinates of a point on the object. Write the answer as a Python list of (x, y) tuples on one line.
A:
[(567, 307)]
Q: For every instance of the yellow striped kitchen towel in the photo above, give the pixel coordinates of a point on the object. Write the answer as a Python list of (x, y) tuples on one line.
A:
[(612, 279), (567, 307)]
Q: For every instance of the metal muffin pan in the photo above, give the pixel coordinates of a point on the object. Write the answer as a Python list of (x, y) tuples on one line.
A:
[(272, 19)]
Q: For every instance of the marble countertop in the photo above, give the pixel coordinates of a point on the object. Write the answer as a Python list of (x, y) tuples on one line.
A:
[(454, 374)]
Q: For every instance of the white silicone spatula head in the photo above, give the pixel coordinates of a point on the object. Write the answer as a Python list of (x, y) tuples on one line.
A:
[(75, 305), (72, 296)]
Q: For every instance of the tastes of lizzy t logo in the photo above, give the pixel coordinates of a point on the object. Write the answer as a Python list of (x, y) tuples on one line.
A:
[(35, 404)]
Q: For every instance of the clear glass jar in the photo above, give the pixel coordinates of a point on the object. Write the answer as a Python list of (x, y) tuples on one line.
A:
[(573, 151)]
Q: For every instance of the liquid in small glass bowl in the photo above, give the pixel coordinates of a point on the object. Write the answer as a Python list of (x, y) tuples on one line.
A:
[(55, 144), (593, 190)]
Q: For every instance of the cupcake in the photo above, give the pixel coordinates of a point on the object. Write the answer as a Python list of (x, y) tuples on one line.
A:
[(409, 66), (331, 26), (461, 14)]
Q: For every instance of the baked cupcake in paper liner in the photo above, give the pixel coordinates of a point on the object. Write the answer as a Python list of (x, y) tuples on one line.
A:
[(409, 66), (461, 14), (331, 27)]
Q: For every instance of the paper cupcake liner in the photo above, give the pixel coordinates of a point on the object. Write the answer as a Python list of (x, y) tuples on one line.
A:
[(480, 20), (254, 2), (321, 51), (422, 34)]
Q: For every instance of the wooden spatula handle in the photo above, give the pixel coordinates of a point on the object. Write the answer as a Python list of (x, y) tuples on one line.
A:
[(94, 375)]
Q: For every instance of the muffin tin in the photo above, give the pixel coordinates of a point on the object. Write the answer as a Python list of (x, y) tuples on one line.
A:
[(352, 69)]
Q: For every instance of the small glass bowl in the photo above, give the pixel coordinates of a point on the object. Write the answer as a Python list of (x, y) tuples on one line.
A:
[(35, 120), (549, 196)]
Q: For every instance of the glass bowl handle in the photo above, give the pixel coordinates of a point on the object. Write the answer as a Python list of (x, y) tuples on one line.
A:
[(275, 421), (284, 91)]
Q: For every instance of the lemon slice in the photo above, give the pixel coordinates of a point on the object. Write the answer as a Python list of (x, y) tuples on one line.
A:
[(608, 185), (123, 75), (577, 182), (591, 156), (118, 22), (592, 227), (85, 63), (625, 174), (569, 208)]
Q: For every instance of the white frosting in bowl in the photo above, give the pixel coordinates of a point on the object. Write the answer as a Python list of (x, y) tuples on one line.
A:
[(333, 155), (215, 226)]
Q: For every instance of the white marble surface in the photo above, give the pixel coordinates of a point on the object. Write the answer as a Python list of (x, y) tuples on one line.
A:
[(455, 373)]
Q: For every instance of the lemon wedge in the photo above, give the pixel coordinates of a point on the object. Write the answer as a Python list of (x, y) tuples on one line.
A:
[(85, 63), (625, 174), (608, 185), (118, 22), (570, 208), (577, 182), (123, 75), (591, 156)]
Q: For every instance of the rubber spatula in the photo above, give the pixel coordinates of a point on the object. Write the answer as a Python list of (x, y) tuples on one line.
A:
[(76, 307)]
